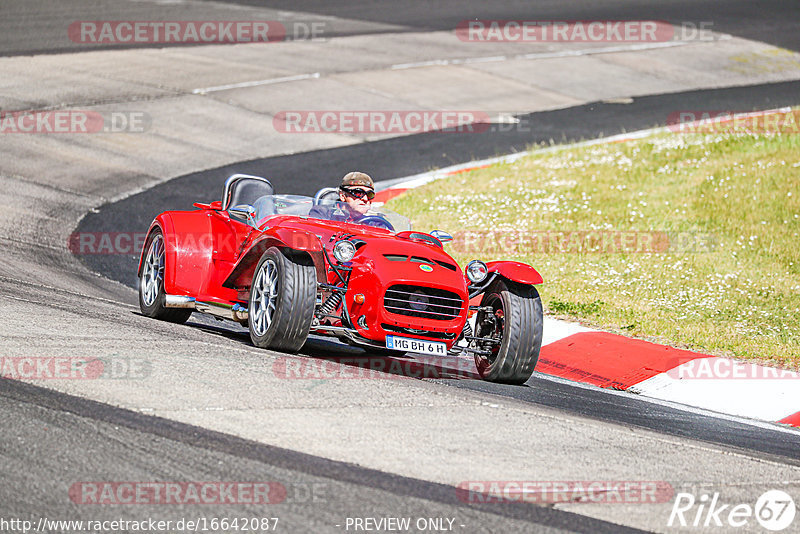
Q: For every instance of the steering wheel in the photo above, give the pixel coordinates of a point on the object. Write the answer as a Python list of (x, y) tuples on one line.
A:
[(377, 221)]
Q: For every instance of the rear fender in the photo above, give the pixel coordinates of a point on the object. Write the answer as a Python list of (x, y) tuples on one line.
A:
[(153, 225), (162, 222)]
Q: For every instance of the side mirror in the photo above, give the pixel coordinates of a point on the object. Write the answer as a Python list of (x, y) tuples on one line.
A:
[(442, 236), (244, 212)]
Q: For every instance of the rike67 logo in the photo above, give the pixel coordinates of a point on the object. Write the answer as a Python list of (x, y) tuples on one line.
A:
[(774, 510)]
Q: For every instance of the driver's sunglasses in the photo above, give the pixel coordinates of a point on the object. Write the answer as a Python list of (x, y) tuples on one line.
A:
[(359, 193)]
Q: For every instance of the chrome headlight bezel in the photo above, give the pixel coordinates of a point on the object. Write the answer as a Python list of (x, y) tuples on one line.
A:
[(344, 251), (476, 271)]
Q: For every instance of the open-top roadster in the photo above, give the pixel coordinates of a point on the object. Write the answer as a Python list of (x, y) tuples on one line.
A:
[(278, 265)]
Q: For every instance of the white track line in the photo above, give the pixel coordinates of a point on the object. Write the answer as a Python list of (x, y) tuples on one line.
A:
[(540, 55), (256, 83), (463, 61)]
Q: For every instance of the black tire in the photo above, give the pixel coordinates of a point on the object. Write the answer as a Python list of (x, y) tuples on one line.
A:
[(285, 324), (517, 333), (151, 282)]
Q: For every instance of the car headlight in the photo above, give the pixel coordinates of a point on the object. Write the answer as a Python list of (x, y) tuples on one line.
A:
[(477, 271), (344, 251)]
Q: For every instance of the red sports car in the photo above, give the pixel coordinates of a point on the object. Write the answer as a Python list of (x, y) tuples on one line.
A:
[(285, 267)]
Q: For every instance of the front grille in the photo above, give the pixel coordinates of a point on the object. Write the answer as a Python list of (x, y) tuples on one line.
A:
[(423, 302)]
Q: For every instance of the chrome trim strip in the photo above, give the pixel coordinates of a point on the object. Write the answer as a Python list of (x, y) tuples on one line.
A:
[(334, 329)]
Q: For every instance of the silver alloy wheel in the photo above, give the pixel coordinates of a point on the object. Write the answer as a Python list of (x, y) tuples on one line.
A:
[(264, 298), (153, 271)]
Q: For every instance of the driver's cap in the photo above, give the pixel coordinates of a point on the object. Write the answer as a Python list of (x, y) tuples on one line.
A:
[(357, 178)]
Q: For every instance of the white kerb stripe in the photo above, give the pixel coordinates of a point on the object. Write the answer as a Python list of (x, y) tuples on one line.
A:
[(769, 399)]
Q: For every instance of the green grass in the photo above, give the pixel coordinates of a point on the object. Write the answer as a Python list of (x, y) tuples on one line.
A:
[(727, 205)]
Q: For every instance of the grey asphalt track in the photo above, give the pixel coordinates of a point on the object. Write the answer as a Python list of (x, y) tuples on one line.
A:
[(51, 439), (320, 493), (39, 26)]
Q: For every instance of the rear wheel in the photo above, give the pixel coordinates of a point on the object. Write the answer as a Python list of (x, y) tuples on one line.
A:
[(510, 327), (151, 282), (282, 300)]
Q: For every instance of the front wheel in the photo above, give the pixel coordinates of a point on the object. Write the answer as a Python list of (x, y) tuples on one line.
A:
[(282, 300), (509, 326), (151, 282)]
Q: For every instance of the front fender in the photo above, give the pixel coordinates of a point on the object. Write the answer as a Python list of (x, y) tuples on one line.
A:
[(285, 238), (515, 271), (512, 271)]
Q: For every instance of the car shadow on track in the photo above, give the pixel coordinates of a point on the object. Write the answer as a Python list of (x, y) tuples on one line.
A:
[(331, 359), (325, 358)]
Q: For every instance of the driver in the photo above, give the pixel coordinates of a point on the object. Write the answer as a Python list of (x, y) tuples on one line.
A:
[(355, 194), (357, 190)]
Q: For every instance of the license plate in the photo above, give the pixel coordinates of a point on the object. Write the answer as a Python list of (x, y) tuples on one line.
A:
[(433, 348)]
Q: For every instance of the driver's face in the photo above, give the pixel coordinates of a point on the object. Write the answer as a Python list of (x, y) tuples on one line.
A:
[(361, 205)]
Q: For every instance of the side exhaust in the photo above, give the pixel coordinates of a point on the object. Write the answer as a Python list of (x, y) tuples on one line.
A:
[(235, 312)]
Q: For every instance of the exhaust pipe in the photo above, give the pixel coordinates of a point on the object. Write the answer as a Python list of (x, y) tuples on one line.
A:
[(235, 312), (178, 301)]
